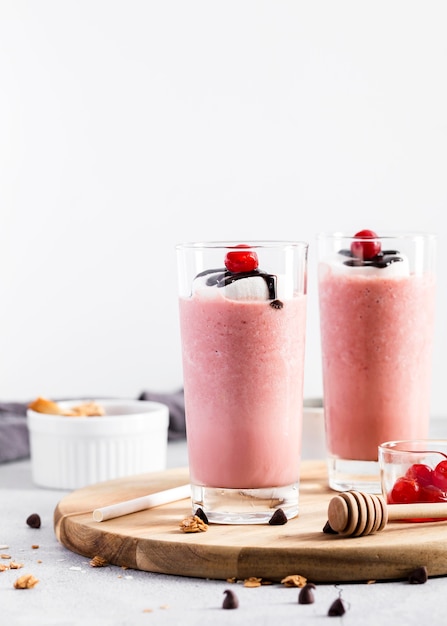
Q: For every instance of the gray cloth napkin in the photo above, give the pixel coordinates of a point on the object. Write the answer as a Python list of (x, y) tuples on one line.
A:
[(14, 437), (14, 440)]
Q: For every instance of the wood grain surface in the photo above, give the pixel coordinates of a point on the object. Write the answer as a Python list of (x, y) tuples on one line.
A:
[(152, 541)]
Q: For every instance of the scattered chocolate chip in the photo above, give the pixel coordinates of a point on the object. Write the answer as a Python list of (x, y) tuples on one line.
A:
[(278, 518), (337, 608), (230, 600), (306, 595), (201, 515), (419, 576), (276, 304), (329, 530), (33, 520)]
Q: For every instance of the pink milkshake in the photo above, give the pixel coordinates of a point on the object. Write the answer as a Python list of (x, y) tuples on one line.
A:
[(243, 331), (376, 315)]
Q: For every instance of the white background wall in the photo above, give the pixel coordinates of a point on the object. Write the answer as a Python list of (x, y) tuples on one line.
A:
[(128, 126)]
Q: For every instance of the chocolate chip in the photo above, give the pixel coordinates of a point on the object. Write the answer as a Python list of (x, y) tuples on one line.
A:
[(419, 576), (33, 520), (306, 595), (278, 518), (337, 608), (329, 530), (230, 600), (201, 514), (276, 304)]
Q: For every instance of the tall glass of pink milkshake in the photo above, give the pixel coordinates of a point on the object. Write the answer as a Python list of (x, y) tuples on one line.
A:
[(377, 300), (242, 322)]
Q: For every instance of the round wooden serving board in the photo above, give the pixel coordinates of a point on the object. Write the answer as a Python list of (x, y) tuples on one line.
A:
[(152, 541)]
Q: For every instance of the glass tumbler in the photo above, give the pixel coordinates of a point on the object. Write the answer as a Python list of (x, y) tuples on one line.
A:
[(242, 321)]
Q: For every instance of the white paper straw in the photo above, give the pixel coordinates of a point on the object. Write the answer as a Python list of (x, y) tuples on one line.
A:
[(140, 504)]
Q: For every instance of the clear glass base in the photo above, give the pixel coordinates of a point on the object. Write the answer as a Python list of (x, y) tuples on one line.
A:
[(349, 475), (245, 506)]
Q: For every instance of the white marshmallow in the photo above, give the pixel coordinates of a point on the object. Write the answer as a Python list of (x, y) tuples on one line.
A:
[(249, 288)]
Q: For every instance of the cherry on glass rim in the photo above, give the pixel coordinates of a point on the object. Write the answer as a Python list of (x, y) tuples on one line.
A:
[(363, 248), (241, 260)]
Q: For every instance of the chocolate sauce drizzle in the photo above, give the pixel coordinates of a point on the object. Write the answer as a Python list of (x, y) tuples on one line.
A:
[(222, 278), (381, 260)]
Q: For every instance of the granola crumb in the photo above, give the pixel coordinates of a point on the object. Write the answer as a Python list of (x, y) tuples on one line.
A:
[(193, 524), (35, 546), (294, 580), (85, 409), (14, 565), (27, 581), (5, 556), (43, 405), (252, 581), (98, 561)]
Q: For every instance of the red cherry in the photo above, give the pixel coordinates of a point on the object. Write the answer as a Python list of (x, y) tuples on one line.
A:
[(243, 260), (366, 249), (430, 493), (420, 473), (419, 485), (440, 475), (404, 491)]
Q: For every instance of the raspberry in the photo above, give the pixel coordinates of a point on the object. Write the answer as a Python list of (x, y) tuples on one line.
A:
[(366, 249), (242, 260)]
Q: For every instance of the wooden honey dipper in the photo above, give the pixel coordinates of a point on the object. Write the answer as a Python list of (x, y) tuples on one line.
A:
[(355, 514)]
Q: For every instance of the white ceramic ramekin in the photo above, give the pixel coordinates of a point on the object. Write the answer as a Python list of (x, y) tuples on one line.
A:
[(73, 452)]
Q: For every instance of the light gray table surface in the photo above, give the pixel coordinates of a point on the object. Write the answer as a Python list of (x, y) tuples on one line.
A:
[(70, 591)]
